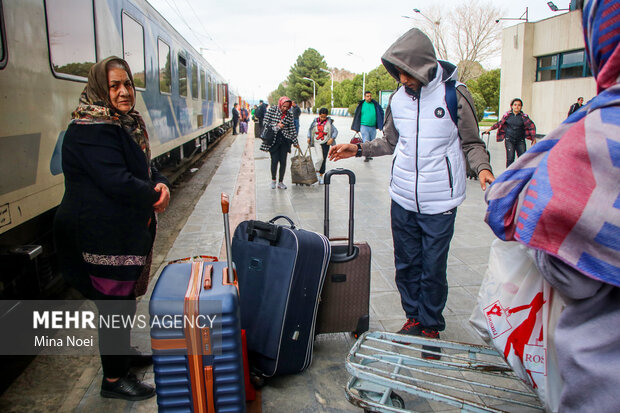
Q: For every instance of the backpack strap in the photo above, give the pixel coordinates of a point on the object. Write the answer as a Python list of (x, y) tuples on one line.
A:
[(451, 100)]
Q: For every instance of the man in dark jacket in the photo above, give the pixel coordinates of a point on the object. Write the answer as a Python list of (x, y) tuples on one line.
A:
[(575, 106), (259, 113), (367, 119), (235, 116)]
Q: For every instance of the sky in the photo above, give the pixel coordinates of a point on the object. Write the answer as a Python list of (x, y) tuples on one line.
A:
[(253, 44)]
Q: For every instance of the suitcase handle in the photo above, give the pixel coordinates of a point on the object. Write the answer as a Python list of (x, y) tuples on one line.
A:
[(327, 181), (225, 208), (290, 221)]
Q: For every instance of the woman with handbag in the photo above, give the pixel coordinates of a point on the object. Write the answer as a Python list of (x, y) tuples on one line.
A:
[(278, 135), (323, 131)]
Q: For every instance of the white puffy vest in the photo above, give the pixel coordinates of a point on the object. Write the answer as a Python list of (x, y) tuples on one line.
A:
[(428, 167)]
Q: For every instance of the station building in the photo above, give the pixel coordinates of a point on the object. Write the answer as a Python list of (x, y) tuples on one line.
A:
[(544, 64)]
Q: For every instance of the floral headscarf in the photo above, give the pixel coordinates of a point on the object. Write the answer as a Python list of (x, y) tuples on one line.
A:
[(282, 101), (95, 106), (563, 195)]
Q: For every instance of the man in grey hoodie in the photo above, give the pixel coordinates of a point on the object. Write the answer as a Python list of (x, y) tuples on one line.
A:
[(428, 174)]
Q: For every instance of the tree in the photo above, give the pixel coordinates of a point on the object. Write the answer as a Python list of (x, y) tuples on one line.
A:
[(308, 64), (466, 33), (487, 86)]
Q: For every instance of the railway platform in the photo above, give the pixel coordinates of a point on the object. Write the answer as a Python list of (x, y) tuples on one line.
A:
[(244, 175)]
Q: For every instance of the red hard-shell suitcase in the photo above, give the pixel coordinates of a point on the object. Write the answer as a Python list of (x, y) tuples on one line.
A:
[(197, 344), (345, 299)]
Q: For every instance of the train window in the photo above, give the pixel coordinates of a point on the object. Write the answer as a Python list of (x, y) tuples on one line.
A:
[(71, 37), (182, 76), (3, 53), (165, 75), (133, 49), (209, 88), (203, 90), (194, 80)]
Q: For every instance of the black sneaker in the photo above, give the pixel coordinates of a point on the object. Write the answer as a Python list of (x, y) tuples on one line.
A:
[(430, 333), (127, 388), (411, 327)]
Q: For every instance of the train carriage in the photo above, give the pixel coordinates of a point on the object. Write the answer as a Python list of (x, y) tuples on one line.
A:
[(46, 50)]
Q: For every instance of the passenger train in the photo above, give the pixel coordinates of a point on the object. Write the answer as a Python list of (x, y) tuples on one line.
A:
[(46, 50)]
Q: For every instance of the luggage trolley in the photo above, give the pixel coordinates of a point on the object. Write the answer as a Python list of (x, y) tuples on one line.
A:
[(388, 371)]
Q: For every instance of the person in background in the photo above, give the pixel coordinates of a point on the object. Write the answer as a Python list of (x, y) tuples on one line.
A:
[(259, 113), (252, 113), (243, 120), (323, 131), (575, 106), (562, 199), (367, 119), (296, 114), (428, 175), (514, 128), (280, 119), (105, 225), (235, 118)]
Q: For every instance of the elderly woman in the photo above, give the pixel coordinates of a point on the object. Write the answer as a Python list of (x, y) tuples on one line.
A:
[(105, 224), (279, 120), (514, 128), (323, 131)]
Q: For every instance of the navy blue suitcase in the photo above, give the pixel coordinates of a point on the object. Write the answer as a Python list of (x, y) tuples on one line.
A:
[(281, 271), (196, 338)]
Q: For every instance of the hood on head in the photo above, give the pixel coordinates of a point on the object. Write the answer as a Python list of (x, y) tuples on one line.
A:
[(414, 53), (602, 37)]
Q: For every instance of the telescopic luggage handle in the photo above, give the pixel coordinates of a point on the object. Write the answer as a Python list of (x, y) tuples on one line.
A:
[(225, 208), (327, 181)]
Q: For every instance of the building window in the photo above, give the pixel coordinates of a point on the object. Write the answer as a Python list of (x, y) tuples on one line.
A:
[(194, 80), (133, 49), (182, 76), (3, 51), (165, 75), (71, 37), (566, 65), (203, 89)]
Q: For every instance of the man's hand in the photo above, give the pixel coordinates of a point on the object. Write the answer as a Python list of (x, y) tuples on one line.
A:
[(342, 151), (485, 176), (164, 198)]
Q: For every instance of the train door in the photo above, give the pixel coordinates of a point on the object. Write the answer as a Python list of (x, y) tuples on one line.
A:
[(225, 101)]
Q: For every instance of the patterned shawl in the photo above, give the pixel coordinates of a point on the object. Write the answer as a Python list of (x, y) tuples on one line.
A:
[(95, 107), (563, 195)]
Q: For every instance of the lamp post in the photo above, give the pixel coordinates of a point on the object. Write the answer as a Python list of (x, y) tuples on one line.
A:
[(523, 17), (313, 90), (553, 7), (332, 76), (363, 73)]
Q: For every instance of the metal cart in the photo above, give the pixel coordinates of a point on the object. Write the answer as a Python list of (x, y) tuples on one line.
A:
[(388, 371)]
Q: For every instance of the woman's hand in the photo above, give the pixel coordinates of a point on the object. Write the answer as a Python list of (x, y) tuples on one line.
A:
[(164, 198), (330, 141), (308, 141), (342, 151), (280, 125)]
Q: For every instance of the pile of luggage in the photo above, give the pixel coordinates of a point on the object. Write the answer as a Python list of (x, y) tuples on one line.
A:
[(259, 316)]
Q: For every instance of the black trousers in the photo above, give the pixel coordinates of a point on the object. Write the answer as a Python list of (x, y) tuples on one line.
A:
[(325, 150), (511, 147), (114, 342), (278, 157), (235, 124)]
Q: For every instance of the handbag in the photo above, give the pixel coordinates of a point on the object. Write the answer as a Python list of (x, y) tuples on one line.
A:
[(267, 135), (517, 312), (302, 168), (357, 138)]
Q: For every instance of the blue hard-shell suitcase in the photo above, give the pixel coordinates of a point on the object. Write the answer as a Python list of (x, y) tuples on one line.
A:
[(281, 271), (196, 337)]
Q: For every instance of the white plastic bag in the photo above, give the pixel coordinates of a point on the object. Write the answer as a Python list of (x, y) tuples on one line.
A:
[(517, 313)]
